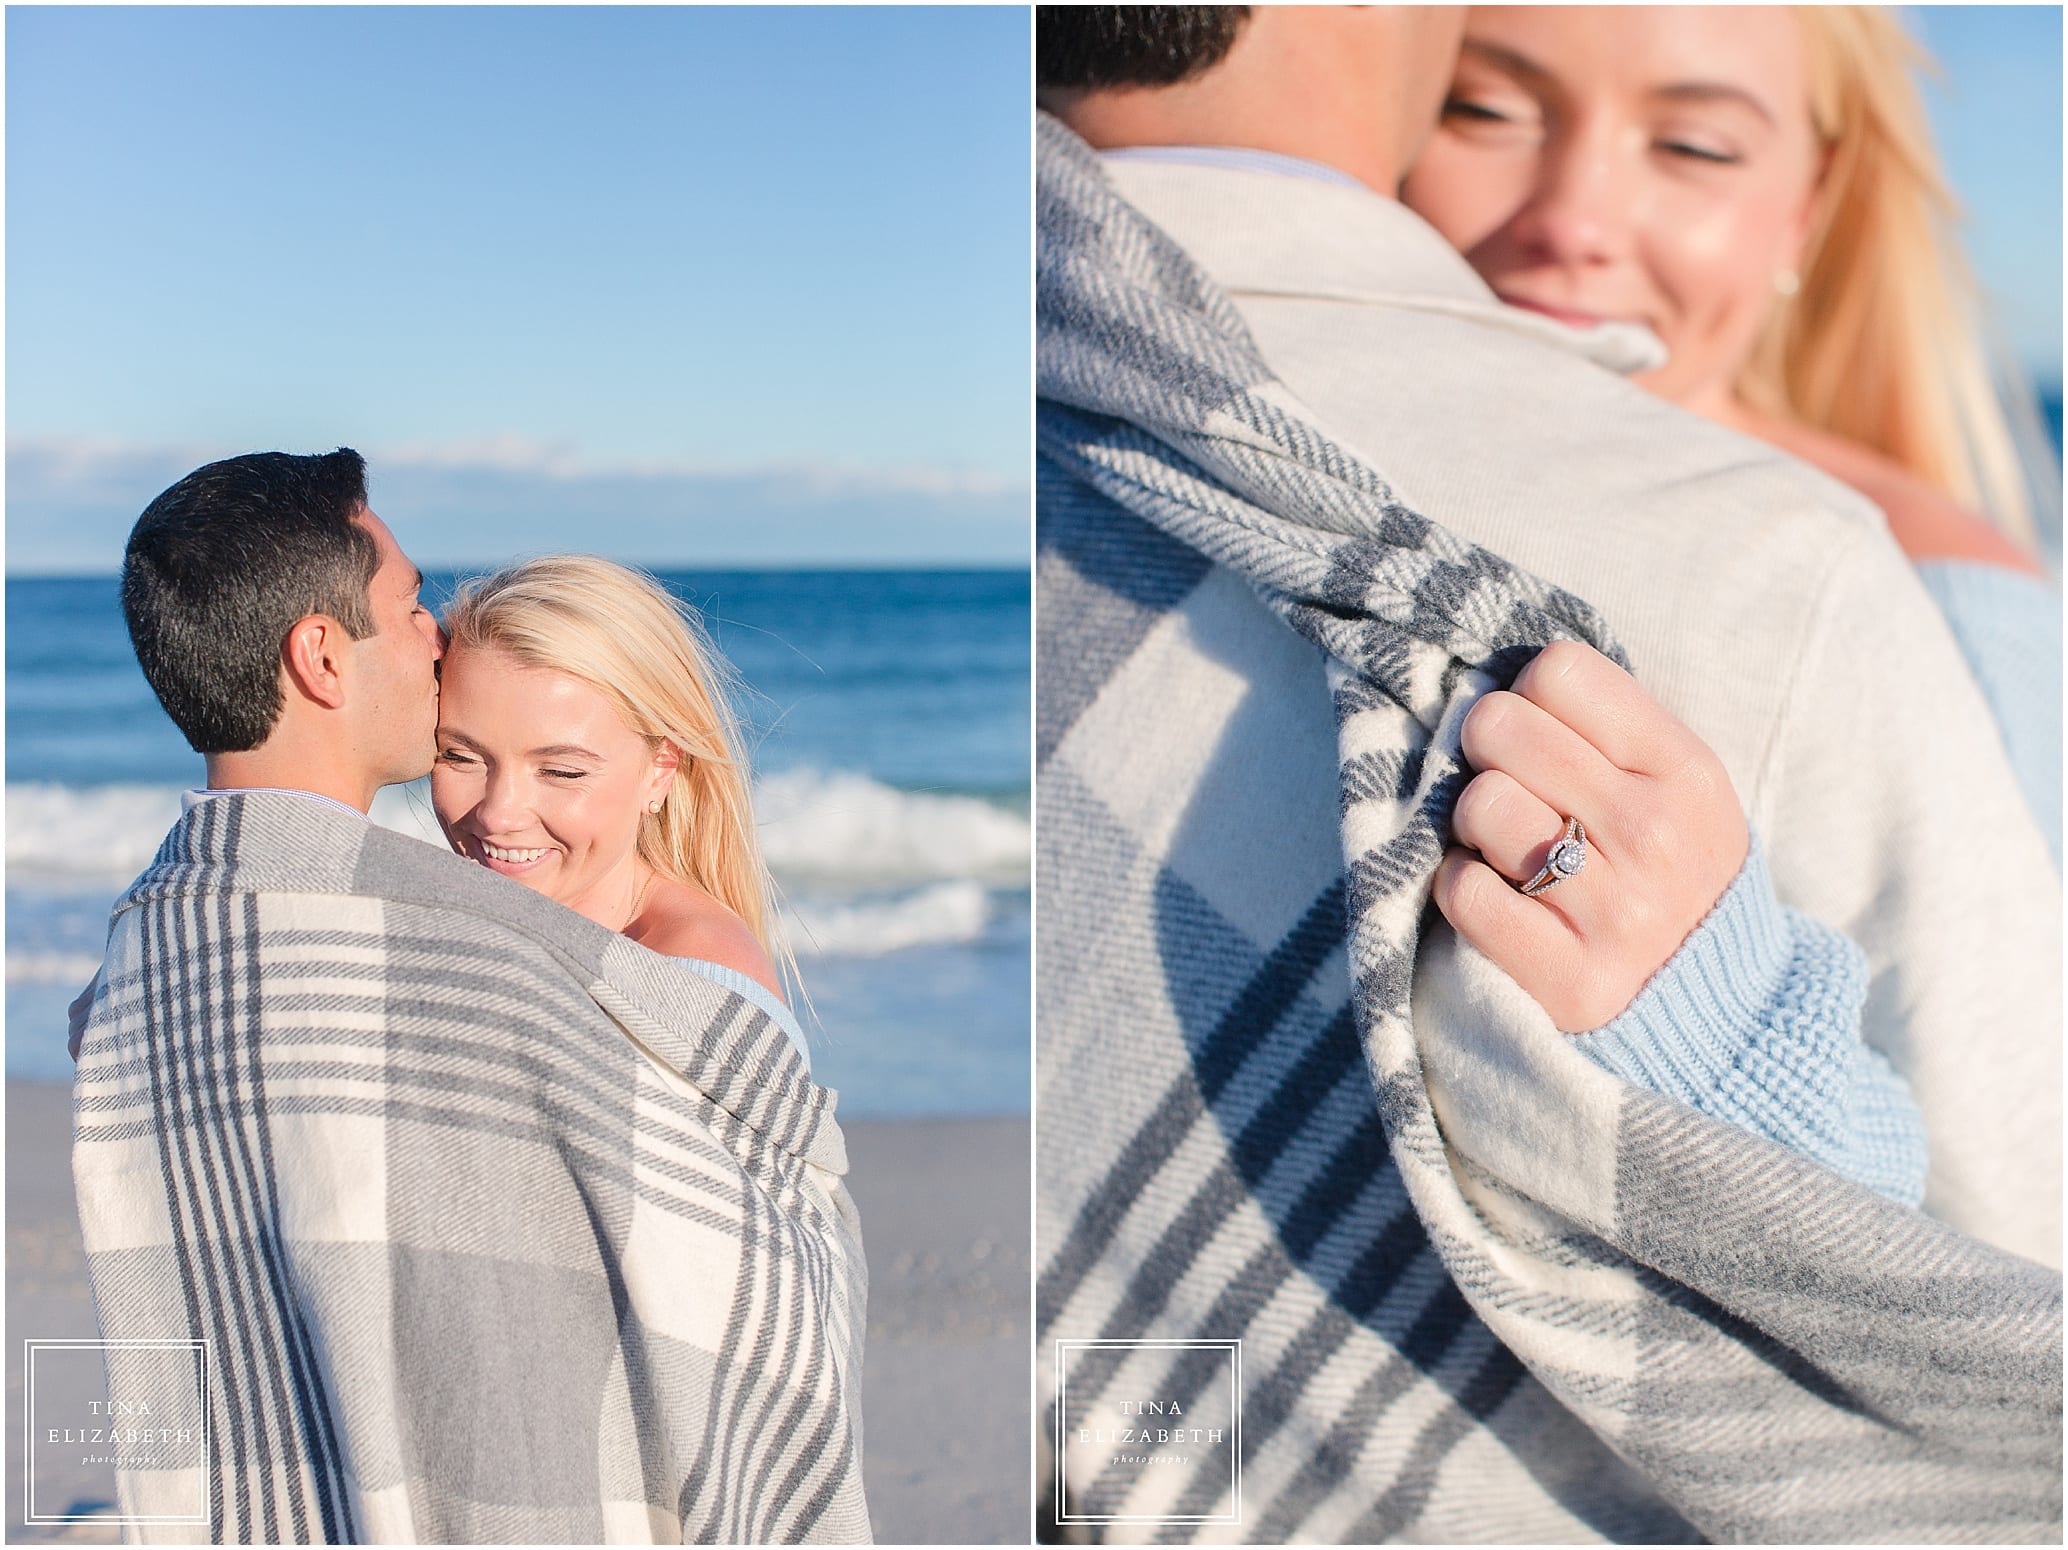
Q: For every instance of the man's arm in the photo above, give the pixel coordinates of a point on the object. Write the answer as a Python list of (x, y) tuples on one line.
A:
[(1891, 813)]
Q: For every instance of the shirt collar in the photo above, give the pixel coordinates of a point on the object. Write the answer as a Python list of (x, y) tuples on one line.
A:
[(189, 800), (1261, 232), (1241, 157)]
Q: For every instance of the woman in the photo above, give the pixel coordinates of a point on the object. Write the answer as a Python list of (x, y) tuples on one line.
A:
[(1756, 186), (586, 749)]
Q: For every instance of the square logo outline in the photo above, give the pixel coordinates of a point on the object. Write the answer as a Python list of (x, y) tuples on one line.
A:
[(1234, 1349), (29, 1350)]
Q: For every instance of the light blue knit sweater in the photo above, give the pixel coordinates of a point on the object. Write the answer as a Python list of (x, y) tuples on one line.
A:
[(1756, 1021)]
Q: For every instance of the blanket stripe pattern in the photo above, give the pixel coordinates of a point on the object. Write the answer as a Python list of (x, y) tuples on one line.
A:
[(1757, 1348), (468, 1219)]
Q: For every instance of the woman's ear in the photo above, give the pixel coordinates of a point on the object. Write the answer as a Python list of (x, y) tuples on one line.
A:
[(666, 760), (1810, 214)]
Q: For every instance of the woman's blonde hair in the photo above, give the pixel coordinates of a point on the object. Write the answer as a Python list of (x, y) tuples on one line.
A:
[(1881, 343), (623, 634)]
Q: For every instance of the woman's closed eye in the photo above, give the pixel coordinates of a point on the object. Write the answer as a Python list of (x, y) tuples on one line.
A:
[(1468, 108), (564, 774), (458, 758), (1698, 150)]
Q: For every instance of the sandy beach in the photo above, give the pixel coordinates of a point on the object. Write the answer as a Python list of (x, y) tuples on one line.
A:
[(944, 1209)]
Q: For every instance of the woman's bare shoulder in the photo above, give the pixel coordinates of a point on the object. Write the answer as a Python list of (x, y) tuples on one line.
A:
[(1926, 522), (680, 920)]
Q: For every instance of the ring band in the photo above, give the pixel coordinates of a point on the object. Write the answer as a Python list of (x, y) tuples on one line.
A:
[(1568, 856)]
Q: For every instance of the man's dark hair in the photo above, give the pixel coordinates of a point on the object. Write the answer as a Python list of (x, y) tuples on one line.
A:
[(221, 565), (1085, 47)]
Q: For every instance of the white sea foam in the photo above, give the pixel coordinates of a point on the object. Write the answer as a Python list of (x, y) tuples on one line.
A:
[(89, 832), (936, 914), (816, 827), (73, 969), (846, 827), (867, 869)]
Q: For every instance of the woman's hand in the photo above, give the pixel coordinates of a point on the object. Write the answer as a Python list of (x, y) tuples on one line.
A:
[(1578, 738)]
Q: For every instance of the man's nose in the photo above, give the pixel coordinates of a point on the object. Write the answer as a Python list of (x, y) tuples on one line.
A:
[(1582, 207), (435, 633)]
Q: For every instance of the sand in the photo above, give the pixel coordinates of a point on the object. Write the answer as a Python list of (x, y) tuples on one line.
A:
[(945, 1389)]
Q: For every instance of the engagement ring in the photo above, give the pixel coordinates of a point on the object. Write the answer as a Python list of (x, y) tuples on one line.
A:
[(1568, 855)]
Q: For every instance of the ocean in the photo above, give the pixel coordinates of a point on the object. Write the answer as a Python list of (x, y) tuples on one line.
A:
[(890, 738)]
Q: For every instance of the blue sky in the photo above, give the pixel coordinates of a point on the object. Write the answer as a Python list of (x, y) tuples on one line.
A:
[(1996, 112), (689, 286), (759, 277)]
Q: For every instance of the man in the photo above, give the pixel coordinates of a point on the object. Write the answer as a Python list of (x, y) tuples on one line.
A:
[(391, 1223), (1230, 1181)]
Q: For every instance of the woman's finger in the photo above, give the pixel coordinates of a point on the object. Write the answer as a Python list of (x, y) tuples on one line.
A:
[(1607, 707), (1532, 944), (1507, 823), (1509, 733)]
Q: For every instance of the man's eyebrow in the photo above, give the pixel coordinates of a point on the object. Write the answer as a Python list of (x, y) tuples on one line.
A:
[(418, 584)]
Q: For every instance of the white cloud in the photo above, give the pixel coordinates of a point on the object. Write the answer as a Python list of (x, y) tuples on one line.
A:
[(71, 500)]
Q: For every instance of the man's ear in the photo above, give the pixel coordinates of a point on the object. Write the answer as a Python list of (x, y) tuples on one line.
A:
[(314, 656)]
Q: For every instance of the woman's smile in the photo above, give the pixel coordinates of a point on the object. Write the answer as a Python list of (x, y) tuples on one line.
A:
[(512, 860), (1572, 316), (539, 778)]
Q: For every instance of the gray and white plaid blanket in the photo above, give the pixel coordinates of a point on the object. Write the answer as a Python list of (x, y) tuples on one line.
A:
[(455, 1217), (1417, 1246)]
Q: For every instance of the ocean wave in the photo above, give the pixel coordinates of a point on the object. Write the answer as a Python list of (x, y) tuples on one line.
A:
[(816, 827), (938, 914), (73, 969), (841, 826)]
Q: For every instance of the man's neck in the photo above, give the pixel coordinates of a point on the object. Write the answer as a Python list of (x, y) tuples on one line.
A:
[(1355, 88), (1126, 120), (266, 768)]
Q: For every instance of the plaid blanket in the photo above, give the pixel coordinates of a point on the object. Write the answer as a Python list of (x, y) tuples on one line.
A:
[(1419, 1243), (426, 1210)]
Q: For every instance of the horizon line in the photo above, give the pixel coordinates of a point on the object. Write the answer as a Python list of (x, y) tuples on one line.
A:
[(828, 567)]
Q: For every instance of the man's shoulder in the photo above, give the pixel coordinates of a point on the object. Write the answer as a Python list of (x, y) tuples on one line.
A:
[(1498, 423), (310, 864)]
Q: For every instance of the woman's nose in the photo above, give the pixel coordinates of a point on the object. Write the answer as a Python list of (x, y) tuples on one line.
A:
[(505, 807), (1584, 202)]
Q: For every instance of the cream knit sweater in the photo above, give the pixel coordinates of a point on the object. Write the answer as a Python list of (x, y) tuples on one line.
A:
[(1762, 603)]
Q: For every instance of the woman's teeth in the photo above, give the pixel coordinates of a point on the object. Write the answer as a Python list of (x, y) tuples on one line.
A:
[(497, 853)]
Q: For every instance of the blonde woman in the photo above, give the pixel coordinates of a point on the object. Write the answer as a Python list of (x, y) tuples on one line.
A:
[(587, 750), (1757, 187)]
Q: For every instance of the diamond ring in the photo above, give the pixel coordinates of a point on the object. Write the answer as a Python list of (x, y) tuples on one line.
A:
[(1568, 855)]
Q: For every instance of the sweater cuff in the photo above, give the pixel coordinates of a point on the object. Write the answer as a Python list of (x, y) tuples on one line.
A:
[(1683, 1034), (1754, 1021)]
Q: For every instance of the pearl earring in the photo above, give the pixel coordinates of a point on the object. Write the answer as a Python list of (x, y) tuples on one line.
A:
[(1787, 282), (653, 807)]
